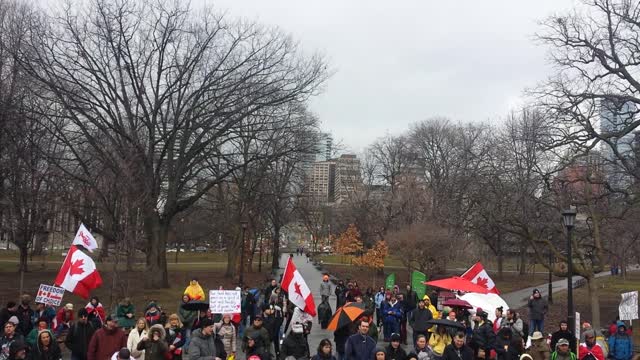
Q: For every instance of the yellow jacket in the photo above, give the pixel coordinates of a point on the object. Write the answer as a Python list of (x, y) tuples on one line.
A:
[(438, 342), (194, 291)]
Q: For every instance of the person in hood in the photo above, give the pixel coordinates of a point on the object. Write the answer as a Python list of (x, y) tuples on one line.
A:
[(295, 344), (46, 347), (458, 349), (9, 337), (507, 345), (154, 345), (539, 349), (419, 318), (324, 351), (590, 349), (32, 338), (79, 336), (439, 340), (379, 354), (107, 340), (394, 350), (194, 290), (18, 351), (563, 333), (203, 345), (621, 344), (360, 346), (253, 352), (538, 308)]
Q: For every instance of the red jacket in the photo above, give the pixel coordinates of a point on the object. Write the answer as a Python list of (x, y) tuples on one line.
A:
[(63, 316), (596, 351), (104, 343), (98, 309)]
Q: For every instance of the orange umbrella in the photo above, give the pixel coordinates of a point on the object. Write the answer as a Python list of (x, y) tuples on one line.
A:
[(345, 315)]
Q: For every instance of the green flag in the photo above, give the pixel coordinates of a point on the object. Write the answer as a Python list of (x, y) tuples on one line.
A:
[(417, 283), (390, 282)]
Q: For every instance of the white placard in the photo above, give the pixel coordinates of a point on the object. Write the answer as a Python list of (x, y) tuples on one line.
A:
[(49, 295), (224, 301), (628, 308), (577, 325)]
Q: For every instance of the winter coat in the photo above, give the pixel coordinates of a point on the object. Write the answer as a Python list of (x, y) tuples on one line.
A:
[(320, 356), (340, 338), (186, 316), (379, 299), (483, 336), (620, 346), (517, 326), (324, 314), (504, 345), (6, 342), (584, 351), (177, 337), (204, 347), (437, 342), (39, 353), (451, 353), (359, 347), (568, 356), (294, 345), (538, 308), (419, 319), (5, 315), (25, 315), (121, 314), (568, 335), (47, 313), (64, 316), (325, 288), (412, 299), (154, 350), (194, 291), (32, 338), (539, 350), (227, 334), (395, 354), (155, 318), (132, 343), (78, 337), (105, 342), (391, 312), (260, 335), (423, 354)]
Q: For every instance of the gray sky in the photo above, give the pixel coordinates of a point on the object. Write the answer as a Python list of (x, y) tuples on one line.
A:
[(399, 62)]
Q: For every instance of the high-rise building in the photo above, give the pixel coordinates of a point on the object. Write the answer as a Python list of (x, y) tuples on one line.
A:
[(320, 182), (614, 118), (324, 147), (348, 177)]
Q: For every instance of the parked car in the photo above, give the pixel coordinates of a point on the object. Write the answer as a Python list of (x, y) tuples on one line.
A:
[(201, 249)]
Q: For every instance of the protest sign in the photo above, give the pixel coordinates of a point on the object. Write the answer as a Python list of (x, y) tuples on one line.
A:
[(49, 295), (224, 301), (628, 309)]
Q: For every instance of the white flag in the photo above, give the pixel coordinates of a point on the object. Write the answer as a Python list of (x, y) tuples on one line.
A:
[(85, 239)]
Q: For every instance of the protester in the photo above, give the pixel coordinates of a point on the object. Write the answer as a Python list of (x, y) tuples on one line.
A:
[(325, 288), (8, 312), (590, 349), (483, 339), (324, 313), (340, 291), (507, 345), (324, 351), (422, 350), (458, 350), (258, 333), (9, 337), (428, 303), (154, 345), (563, 352), (268, 291), (340, 337), (18, 351), (154, 314), (274, 321), (538, 308), (186, 316), (539, 349), (123, 354), (44, 312), (64, 318), (360, 346), (392, 316), (126, 314), (563, 333), (438, 341), (497, 324), (25, 315), (32, 337), (394, 350), (79, 336), (248, 304), (295, 344), (96, 312), (419, 318), (46, 347), (107, 340), (411, 299), (403, 319), (194, 290), (379, 354), (369, 302), (515, 323), (226, 332), (175, 336), (252, 351), (621, 344), (379, 299), (140, 331), (203, 345)]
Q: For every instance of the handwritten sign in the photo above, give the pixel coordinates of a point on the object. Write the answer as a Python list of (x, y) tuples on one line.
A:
[(628, 308), (224, 301), (49, 295), (577, 325)]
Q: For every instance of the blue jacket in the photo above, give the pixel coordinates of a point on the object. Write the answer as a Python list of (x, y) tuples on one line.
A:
[(48, 313), (359, 347), (379, 299), (396, 311), (621, 345)]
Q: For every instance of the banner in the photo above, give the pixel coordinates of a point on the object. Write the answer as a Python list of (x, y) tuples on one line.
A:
[(577, 329), (390, 282), (628, 309), (224, 301), (49, 295), (417, 283)]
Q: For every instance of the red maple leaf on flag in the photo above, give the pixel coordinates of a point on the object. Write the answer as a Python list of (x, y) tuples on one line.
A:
[(297, 289), (76, 267), (483, 282)]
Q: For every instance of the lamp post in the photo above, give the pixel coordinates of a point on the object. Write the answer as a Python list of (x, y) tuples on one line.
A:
[(569, 219), (243, 224), (550, 296)]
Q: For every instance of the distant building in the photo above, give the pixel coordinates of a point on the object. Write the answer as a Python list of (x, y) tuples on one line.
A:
[(324, 147), (348, 177), (320, 182)]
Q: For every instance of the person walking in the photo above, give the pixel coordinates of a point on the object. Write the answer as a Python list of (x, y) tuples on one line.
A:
[(203, 345), (539, 349), (325, 288), (458, 349), (79, 336), (419, 318), (538, 308), (360, 346), (107, 340), (140, 331), (324, 351), (621, 344)]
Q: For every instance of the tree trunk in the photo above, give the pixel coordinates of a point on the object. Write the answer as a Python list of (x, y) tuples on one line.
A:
[(500, 259), (233, 257), (24, 257), (275, 260), (523, 258), (156, 259), (595, 302)]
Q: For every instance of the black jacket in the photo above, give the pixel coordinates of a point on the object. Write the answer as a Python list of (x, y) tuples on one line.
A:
[(483, 336), (451, 353), (294, 345), (24, 316), (53, 353), (563, 335), (412, 300), (340, 337), (324, 313), (538, 308), (5, 315), (395, 354), (78, 337), (319, 356), (419, 318), (505, 339)]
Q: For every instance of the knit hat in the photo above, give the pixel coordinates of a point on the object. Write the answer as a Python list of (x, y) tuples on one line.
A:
[(395, 337), (151, 304), (536, 291), (83, 312), (14, 320)]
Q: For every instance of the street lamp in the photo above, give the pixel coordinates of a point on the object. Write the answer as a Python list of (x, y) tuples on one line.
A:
[(243, 224), (550, 296), (569, 219)]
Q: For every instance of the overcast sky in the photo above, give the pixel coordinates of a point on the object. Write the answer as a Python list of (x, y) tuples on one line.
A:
[(399, 62)]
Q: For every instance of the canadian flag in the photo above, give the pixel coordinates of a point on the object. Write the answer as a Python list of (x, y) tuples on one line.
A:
[(85, 239), (478, 275), (78, 273), (299, 293)]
